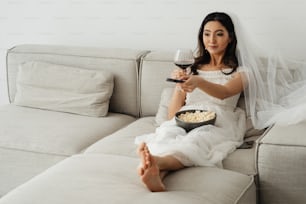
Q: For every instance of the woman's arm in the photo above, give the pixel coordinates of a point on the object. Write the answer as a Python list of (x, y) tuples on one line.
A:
[(177, 101), (231, 88)]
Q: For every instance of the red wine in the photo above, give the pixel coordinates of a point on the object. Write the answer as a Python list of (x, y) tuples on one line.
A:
[(183, 65)]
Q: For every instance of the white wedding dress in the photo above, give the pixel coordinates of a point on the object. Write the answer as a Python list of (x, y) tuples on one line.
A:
[(207, 145)]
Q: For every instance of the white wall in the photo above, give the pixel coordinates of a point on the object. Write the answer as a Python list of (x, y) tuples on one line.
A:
[(144, 24)]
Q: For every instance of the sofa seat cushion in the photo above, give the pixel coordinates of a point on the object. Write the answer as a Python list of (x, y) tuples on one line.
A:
[(112, 179), (281, 164), (242, 160), (18, 166), (52, 132)]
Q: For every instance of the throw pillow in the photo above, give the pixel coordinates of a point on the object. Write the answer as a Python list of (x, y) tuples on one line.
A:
[(64, 88), (162, 112)]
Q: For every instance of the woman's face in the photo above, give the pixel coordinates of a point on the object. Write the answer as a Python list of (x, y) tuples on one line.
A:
[(215, 38)]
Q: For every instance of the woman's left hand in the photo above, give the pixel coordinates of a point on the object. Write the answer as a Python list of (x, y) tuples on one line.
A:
[(191, 82)]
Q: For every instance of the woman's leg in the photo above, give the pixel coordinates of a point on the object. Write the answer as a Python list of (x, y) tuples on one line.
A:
[(152, 169)]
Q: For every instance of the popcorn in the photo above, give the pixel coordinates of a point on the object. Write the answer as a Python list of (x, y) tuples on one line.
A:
[(197, 116)]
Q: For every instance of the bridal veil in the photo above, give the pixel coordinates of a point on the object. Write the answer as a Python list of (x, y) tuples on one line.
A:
[(274, 86)]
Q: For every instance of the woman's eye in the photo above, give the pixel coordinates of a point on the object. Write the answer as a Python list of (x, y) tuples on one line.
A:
[(206, 34), (219, 34)]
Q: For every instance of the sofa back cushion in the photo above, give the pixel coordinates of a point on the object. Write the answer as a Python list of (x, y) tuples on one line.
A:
[(121, 63), (155, 68), (64, 88)]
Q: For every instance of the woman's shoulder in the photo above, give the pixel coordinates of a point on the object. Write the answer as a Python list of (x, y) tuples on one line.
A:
[(242, 69)]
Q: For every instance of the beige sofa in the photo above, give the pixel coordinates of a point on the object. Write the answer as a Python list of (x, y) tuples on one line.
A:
[(52, 156)]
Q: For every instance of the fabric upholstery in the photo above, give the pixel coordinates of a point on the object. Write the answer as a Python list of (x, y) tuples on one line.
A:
[(32, 139), (19, 166), (53, 132), (281, 165), (156, 67), (90, 178)]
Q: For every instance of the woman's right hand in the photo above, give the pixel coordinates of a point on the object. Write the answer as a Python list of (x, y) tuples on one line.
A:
[(178, 74)]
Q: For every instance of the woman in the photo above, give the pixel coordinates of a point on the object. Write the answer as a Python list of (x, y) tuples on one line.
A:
[(215, 84), (274, 89)]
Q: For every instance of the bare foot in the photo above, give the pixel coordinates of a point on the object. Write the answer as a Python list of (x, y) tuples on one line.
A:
[(149, 171), (151, 178), (143, 152)]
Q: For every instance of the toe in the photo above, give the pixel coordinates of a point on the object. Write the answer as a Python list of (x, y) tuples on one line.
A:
[(140, 170)]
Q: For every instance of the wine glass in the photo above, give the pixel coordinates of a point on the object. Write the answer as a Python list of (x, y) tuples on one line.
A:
[(183, 58)]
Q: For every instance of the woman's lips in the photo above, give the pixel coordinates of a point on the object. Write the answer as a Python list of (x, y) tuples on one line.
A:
[(213, 46)]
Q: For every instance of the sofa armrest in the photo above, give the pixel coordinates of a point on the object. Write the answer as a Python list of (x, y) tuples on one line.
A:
[(281, 163)]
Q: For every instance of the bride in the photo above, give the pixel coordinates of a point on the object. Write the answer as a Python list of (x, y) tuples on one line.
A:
[(225, 66)]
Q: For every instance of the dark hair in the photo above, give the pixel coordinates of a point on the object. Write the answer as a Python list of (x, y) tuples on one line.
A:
[(229, 58)]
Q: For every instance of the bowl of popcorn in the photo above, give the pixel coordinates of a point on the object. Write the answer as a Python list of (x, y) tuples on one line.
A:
[(190, 119)]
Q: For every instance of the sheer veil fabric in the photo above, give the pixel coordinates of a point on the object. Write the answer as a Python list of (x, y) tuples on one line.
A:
[(274, 86)]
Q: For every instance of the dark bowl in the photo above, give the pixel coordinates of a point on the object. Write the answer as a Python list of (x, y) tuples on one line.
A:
[(191, 125)]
